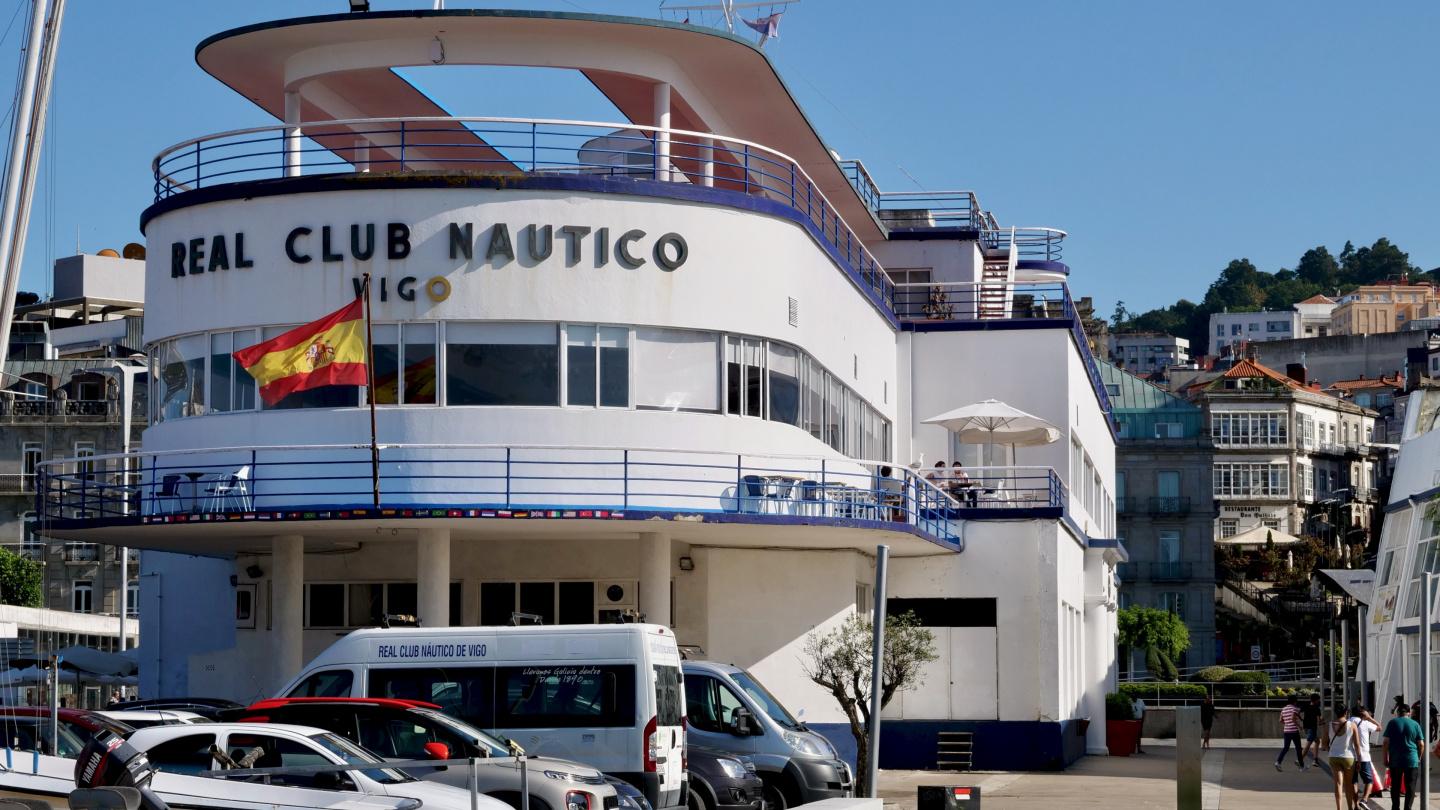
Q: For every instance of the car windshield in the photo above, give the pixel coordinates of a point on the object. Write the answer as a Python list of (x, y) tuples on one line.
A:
[(495, 747), (768, 704), (355, 755)]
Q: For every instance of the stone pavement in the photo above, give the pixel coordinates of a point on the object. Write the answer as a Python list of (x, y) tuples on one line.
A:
[(1237, 773)]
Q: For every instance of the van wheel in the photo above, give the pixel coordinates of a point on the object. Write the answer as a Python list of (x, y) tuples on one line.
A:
[(695, 801), (774, 796)]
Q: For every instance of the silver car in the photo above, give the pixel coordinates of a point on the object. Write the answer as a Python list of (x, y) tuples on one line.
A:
[(409, 730)]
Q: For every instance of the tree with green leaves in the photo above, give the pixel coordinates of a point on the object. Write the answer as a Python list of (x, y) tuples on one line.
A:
[(1318, 267), (1159, 633), (840, 661), (21, 582)]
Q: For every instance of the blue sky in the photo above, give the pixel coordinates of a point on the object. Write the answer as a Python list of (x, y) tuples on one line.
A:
[(1166, 138)]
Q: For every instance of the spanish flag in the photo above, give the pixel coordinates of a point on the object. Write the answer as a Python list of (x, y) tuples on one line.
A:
[(330, 351)]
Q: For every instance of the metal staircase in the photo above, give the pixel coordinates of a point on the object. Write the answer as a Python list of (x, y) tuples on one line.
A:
[(955, 751), (997, 282)]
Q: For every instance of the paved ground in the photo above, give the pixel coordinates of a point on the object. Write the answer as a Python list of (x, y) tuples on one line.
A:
[(1237, 773)]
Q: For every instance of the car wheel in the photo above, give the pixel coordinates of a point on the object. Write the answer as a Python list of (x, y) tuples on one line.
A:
[(512, 798), (695, 800)]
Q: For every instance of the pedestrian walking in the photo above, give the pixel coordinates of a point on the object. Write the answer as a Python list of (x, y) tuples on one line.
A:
[(1340, 739), (1401, 750), (1365, 727), (1138, 707), (1290, 724), (1207, 719), (1311, 716)]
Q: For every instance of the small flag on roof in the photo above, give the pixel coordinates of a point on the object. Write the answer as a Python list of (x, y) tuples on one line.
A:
[(330, 351)]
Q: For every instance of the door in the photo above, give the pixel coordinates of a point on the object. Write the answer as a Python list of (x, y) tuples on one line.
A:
[(709, 706), (666, 745), (974, 673), (1167, 487)]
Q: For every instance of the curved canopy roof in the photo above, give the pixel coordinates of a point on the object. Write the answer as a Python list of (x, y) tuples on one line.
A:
[(341, 66)]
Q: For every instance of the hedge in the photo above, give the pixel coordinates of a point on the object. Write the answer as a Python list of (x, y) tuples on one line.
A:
[(1118, 707), (1150, 691), (1246, 683), (1211, 674)]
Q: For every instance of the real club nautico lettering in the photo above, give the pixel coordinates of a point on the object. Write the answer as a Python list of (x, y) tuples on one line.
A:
[(495, 245)]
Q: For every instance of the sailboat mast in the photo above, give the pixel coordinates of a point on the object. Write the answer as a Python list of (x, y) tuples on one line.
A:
[(24, 159)]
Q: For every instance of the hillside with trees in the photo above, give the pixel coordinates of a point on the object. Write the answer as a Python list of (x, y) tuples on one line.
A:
[(1242, 287)]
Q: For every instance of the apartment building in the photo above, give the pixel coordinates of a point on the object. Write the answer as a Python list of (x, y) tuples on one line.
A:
[(1383, 307), (1148, 352), (1164, 506), (1287, 455), (1232, 328)]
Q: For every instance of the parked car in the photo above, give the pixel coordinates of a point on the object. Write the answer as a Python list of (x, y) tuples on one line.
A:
[(83, 724), (158, 717), (631, 798), (729, 710), (720, 781), (31, 732), (411, 730), (606, 695), (181, 752), (212, 708)]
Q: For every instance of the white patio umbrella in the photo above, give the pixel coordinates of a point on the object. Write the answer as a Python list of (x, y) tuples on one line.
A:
[(993, 422)]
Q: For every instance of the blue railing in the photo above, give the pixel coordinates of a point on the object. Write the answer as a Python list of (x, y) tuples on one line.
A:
[(1000, 301), (299, 482), (513, 146)]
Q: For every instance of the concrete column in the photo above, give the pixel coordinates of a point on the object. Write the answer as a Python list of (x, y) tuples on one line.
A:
[(432, 577), (287, 578), (1188, 756), (360, 159), (707, 162), (292, 134), (662, 139), (655, 578)]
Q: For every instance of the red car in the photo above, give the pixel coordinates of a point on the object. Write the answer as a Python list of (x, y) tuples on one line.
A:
[(27, 723)]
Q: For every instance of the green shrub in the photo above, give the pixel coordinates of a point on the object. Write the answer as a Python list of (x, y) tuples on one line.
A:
[(1211, 674), (1245, 683), (1150, 691), (1117, 707)]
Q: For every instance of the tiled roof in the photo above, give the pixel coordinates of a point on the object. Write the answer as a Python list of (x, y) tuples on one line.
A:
[(1318, 299), (1379, 382), (1248, 368)]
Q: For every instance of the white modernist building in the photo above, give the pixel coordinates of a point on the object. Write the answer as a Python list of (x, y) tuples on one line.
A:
[(1231, 328), (657, 364)]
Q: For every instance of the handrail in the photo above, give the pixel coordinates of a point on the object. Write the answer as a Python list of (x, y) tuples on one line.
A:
[(210, 484), (753, 168)]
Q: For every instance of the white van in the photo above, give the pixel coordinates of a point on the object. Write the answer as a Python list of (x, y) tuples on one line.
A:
[(607, 695)]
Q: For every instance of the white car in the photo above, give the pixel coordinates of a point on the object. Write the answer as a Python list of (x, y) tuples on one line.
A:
[(179, 752), (144, 718)]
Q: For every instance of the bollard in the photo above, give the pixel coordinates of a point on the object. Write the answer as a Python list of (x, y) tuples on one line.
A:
[(1187, 758)]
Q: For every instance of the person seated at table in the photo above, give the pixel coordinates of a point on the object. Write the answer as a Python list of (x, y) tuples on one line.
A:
[(938, 476), (961, 485)]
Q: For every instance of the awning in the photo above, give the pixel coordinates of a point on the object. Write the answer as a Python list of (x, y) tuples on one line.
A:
[(1357, 583), (1259, 536)]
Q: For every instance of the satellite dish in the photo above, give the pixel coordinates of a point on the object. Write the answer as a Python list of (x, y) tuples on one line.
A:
[(134, 250), (108, 253)]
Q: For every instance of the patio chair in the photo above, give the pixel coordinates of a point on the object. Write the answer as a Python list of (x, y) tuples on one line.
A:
[(752, 493), (810, 500), (168, 497), (232, 488)]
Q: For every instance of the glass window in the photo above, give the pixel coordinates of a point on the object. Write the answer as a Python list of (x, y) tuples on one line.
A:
[(1169, 546), (83, 596), (710, 704), (501, 364), (188, 755), (278, 752), (814, 398), (597, 360), (180, 373), (1173, 603), (667, 695), (834, 411), (581, 374), (221, 367), (677, 370), (325, 605), (784, 370), (743, 379), (565, 696), (385, 356), (419, 358), (463, 692)]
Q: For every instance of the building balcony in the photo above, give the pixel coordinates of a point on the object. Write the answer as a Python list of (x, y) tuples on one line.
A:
[(1126, 505), (1171, 571), (31, 551), (1253, 496), (17, 483), (330, 483), (23, 411), (1170, 506), (564, 155), (80, 552)]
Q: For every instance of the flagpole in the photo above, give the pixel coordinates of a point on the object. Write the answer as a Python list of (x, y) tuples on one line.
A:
[(370, 393)]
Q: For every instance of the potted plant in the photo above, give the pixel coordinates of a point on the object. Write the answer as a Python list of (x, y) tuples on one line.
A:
[(1122, 733)]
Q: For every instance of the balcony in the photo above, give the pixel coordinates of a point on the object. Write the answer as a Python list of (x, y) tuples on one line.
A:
[(1126, 506), (486, 481), (80, 552), (17, 483), (23, 411), (33, 550), (551, 150), (1170, 571), (1170, 506)]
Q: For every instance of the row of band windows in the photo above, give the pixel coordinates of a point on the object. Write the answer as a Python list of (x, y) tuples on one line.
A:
[(467, 363)]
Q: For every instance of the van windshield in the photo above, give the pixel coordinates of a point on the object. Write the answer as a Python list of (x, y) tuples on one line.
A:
[(762, 698)]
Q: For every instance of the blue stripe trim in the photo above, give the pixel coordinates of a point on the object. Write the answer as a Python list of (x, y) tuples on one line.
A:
[(1039, 264), (281, 186)]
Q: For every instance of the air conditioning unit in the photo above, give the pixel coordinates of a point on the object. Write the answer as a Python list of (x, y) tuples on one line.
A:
[(610, 595)]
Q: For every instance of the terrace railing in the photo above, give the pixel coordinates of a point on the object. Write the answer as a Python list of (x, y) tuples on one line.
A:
[(513, 146), (978, 301)]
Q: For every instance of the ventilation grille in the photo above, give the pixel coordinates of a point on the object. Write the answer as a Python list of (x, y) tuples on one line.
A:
[(794, 312)]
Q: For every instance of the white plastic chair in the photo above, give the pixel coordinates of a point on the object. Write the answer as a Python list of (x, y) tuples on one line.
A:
[(235, 487)]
